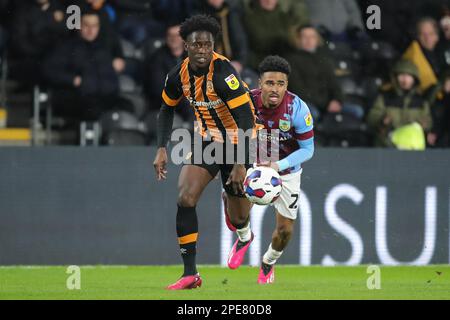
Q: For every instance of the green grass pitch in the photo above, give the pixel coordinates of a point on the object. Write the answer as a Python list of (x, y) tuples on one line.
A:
[(292, 282)]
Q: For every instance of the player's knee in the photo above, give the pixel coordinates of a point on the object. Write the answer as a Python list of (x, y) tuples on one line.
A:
[(239, 221), (187, 199)]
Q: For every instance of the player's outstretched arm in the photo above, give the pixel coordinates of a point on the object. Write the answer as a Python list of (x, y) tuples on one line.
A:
[(163, 129), (304, 133)]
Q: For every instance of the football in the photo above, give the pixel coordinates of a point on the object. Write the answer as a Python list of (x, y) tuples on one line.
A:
[(262, 185)]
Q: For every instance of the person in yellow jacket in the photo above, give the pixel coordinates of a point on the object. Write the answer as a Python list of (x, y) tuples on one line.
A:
[(425, 54), (399, 104)]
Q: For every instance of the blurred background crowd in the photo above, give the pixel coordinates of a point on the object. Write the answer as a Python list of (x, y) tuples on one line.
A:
[(386, 87)]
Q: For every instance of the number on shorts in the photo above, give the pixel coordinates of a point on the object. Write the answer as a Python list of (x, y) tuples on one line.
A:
[(294, 204)]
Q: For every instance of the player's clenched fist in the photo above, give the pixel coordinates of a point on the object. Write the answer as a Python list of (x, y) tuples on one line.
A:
[(160, 164)]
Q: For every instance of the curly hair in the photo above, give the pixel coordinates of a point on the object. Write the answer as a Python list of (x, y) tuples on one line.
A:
[(199, 22), (274, 64)]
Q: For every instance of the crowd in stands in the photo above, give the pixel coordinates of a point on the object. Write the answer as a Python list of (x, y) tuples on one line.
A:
[(387, 87)]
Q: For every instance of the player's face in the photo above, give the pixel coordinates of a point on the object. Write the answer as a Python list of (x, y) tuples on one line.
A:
[(273, 88), (200, 46)]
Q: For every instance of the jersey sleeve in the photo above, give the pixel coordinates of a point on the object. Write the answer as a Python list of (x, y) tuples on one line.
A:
[(172, 92), (303, 121), (304, 133), (229, 85)]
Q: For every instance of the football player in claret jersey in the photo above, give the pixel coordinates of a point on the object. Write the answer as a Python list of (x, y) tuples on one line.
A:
[(286, 114), (222, 105)]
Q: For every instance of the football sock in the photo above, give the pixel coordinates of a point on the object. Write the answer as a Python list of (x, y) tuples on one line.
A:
[(187, 231), (271, 256), (244, 233)]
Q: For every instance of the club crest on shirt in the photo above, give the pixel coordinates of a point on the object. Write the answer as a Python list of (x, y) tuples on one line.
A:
[(232, 82), (308, 119), (284, 125)]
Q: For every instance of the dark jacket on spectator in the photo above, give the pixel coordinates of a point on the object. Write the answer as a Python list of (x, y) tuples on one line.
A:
[(108, 35), (172, 11), (271, 32), (6, 8), (90, 60), (157, 66), (233, 40), (34, 32), (313, 78)]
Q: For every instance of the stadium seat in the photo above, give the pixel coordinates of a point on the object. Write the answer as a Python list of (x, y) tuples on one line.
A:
[(371, 87), (150, 46), (378, 58), (112, 120), (345, 68), (127, 84), (340, 50), (342, 130), (124, 138), (250, 77), (350, 86), (129, 50), (3, 76), (138, 102), (375, 50), (122, 127)]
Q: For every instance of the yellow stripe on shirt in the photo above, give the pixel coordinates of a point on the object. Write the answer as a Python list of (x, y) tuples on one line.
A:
[(170, 102), (239, 101)]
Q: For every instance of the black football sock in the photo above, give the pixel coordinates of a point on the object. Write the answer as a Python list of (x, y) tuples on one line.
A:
[(187, 231)]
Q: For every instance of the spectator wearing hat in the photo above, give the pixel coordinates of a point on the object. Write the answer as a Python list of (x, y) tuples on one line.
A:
[(399, 104)]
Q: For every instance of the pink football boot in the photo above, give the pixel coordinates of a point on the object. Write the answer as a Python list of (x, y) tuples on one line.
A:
[(237, 253), (187, 282), (266, 274)]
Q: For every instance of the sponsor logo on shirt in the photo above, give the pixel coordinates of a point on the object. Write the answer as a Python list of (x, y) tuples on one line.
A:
[(209, 105)]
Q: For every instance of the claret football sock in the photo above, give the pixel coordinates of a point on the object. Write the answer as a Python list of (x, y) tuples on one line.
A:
[(271, 256), (187, 231)]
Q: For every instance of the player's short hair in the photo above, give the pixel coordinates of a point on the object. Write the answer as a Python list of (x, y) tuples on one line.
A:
[(274, 64), (199, 22)]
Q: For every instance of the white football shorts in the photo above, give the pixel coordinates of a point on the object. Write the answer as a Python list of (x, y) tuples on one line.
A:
[(288, 202)]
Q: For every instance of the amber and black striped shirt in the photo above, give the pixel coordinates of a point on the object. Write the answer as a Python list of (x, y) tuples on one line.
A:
[(218, 95)]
